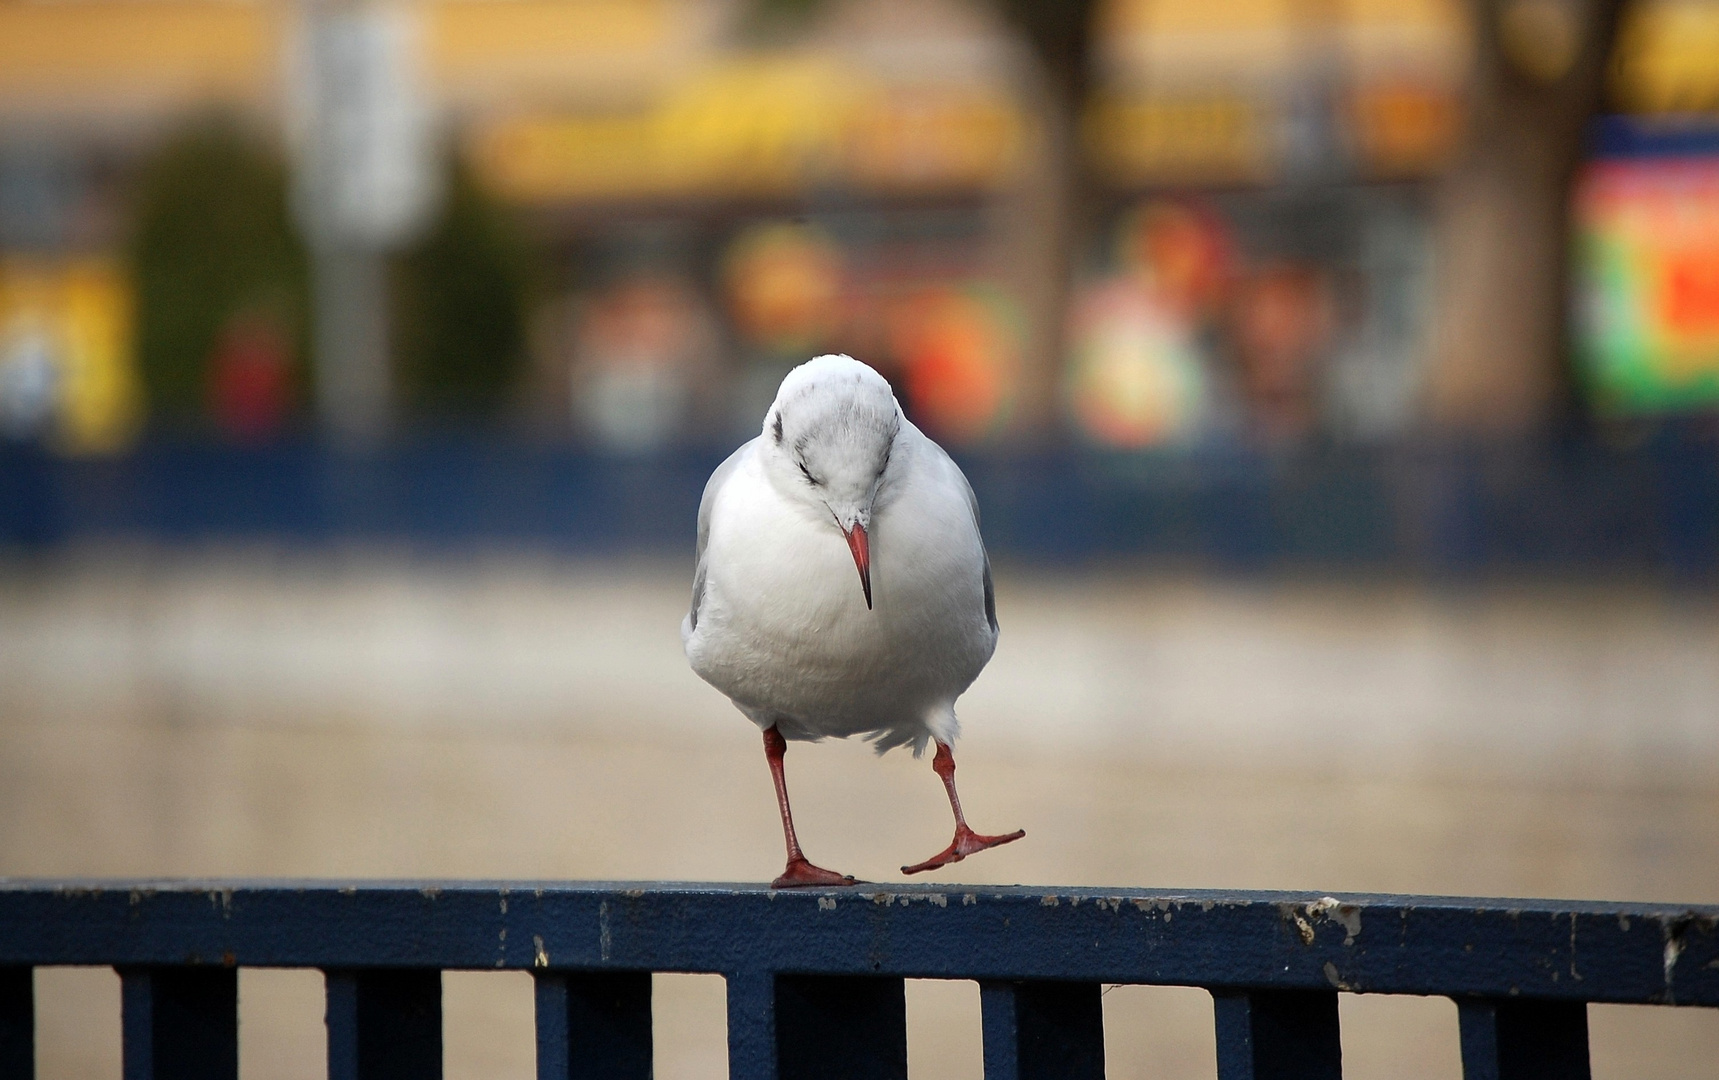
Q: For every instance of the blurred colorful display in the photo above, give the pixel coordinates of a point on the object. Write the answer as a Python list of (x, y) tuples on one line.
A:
[(1244, 315), (1139, 371), (1648, 284), (1136, 377), (66, 370)]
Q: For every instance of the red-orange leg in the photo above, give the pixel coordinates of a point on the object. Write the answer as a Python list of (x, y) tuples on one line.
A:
[(966, 842), (799, 871)]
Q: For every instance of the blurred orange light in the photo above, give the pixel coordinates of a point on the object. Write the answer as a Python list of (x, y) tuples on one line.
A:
[(784, 284), (1178, 250), (1404, 128), (959, 350), (1691, 304)]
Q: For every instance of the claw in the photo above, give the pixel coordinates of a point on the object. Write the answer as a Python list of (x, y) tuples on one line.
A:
[(966, 842), (802, 874)]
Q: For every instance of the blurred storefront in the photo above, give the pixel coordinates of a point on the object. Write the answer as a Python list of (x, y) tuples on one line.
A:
[(651, 209), (711, 202)]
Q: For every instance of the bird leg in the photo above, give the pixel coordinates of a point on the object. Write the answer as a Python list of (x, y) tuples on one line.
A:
[(799, 872), (966, 842)]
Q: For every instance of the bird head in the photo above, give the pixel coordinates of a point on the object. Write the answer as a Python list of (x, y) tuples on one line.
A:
[(827, 442)]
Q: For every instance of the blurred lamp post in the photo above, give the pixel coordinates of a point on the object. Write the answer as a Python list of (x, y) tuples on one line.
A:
[(364, 184)]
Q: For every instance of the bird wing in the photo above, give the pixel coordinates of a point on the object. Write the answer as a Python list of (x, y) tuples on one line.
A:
[(711, 487), (990, 589), (973, 505)]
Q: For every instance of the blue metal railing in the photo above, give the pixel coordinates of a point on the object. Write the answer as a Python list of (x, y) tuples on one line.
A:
[(815, 977), (1577, 504)]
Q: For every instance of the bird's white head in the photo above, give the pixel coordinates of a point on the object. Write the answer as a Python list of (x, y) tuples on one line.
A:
[(827, 443)]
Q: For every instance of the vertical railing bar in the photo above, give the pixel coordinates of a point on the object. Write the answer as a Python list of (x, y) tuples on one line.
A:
[(1037, 1030), (554, 1052), (841, 1027), (751, 1025), (1513, 1039), (17, 1023), (593, 1025), (1278, 1035), (384, 1024), (1000, 1027), (180, 1023)]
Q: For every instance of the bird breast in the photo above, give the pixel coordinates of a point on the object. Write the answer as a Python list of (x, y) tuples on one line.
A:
[(784, 624)]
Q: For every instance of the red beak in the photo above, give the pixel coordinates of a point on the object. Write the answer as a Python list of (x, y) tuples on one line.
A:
[(861, 547)]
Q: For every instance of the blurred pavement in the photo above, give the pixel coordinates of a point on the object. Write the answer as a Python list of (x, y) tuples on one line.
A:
[(250, 713)]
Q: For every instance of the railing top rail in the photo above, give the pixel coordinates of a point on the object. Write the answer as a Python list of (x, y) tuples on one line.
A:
[(1371, 943)]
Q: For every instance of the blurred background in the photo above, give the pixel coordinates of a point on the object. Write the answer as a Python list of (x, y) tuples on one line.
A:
[(1339, 380)]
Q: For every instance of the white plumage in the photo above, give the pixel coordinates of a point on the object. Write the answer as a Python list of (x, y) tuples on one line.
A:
[(838, 480)]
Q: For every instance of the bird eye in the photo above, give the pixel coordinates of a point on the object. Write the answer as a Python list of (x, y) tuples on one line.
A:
[(807, 473)]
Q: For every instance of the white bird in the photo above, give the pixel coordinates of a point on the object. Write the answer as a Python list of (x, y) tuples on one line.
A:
[(840, 476)]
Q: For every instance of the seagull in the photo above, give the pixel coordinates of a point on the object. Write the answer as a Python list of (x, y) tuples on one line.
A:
[(839, 480)]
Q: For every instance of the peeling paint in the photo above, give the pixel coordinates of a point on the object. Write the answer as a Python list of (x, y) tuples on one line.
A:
[(1674, 929), (968, 899), (937, 898), (1048, 901), (1348, 916), (539, 958), (1623, 923), (826, 903), (431, 893), (504, 903), (1333, 977), (1144, 905)]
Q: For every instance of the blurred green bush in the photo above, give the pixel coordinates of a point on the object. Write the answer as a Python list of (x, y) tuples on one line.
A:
[(212, 242), (462, 297)]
